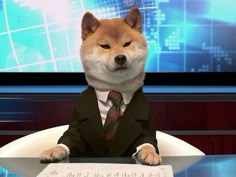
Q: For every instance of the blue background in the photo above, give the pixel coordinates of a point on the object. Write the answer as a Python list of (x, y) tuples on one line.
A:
[(183, 35)]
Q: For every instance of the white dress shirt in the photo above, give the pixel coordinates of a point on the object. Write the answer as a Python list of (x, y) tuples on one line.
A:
[(105, 104)]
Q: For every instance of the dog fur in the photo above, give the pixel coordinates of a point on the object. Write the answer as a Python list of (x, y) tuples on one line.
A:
[(113, 54), (117, 34)]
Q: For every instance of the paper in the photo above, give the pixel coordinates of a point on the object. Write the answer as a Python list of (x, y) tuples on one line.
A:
[(105, 170)]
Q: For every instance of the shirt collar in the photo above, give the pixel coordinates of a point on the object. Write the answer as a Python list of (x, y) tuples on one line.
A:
[(103, 95)]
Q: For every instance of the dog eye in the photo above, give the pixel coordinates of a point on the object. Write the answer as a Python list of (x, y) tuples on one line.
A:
[(127, 44), (105, 46)]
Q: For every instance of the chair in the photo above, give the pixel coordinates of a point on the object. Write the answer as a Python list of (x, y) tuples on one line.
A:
[(171, 146), (32, 145)]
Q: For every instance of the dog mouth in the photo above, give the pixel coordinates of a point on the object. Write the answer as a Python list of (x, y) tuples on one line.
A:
[(116, 69), (121, 68)]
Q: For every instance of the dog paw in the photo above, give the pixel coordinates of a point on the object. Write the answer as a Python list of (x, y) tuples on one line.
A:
[(148, 156), (54, 154)]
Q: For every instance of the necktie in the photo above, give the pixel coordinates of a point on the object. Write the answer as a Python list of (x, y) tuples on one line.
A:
[(113, 115)]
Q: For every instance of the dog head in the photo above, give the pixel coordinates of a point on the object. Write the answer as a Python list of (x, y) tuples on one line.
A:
[(113, 51)]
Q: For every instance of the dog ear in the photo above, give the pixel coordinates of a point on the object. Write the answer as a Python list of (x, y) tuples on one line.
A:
[(134, 19), (89, 25)]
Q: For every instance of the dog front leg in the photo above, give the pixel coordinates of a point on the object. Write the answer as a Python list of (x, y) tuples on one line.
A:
[(55, 154), (148, 156)]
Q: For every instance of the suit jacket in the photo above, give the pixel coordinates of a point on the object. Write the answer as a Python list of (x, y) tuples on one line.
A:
[(85, 135)]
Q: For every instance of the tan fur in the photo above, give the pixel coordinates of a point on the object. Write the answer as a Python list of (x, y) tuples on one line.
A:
[(101, 70), (148, 156), (98, 63), (55, 154)]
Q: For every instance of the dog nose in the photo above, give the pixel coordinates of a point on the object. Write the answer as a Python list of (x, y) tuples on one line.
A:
[(120, 59)]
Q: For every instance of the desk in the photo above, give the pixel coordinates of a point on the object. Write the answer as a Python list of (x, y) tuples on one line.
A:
[(195, 166)]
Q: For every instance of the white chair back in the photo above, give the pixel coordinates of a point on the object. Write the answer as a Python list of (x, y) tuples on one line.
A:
[(172, 146), (32, 145)]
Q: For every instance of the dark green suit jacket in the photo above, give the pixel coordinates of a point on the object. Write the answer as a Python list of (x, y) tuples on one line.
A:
[(85, 135)]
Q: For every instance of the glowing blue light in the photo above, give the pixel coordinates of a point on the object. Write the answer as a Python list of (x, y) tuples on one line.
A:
[(174, 40), (44, 35), (222, 10)]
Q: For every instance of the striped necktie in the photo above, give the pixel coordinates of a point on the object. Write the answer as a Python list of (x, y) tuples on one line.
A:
[(113, 115)]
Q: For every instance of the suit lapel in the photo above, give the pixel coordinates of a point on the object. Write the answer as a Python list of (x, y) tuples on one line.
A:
[(128, 129), (92, 128)]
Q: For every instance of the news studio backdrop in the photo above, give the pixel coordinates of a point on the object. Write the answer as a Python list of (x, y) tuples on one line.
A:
[(182, 35)]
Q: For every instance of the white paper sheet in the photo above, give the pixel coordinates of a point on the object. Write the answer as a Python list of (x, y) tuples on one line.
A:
[(105, 170)]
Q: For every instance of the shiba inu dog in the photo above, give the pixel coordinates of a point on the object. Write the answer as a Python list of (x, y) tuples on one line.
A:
[(113, 54)]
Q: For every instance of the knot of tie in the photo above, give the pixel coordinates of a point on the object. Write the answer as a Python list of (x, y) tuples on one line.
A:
[(115, 97)]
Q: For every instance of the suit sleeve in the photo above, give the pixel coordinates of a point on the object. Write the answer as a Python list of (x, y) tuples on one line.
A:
[(71, 138), (148, 133)]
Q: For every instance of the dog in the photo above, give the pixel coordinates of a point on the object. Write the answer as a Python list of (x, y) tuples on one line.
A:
[(113, 55)]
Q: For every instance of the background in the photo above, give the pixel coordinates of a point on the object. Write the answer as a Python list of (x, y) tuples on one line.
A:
[(183, 35)]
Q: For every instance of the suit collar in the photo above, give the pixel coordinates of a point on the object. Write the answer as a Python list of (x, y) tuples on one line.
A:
[(103, 95), (137, 107)]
